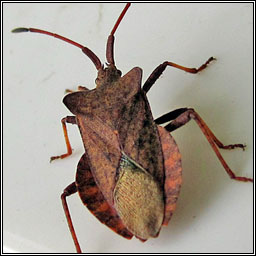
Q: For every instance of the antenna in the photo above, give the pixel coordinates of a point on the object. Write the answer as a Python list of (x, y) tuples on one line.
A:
[(96, 61), (111, 38)]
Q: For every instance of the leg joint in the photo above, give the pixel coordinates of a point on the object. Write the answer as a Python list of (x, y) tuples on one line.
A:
[(69, 119)]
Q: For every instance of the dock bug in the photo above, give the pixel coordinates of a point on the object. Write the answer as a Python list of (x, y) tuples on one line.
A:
[(130, 174)]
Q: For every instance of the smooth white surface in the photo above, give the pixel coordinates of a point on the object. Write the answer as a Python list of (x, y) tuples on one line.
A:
[(214, 214)]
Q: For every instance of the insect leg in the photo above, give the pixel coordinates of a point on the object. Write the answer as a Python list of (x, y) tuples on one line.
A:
[(160, 69), (170, 116), (191, 113), (69, 190), (71, 120), (214, 142), (79, 88), (82, 88)]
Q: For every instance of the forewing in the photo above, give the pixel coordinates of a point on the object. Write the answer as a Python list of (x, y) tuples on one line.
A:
[(120, 106), (103, 151), (139, 135), (138, 199)]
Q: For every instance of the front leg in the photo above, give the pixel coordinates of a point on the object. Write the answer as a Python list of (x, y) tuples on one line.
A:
[(160, 69), (71, 120)]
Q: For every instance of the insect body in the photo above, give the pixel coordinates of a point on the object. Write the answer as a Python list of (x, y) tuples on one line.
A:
[(130, 174)]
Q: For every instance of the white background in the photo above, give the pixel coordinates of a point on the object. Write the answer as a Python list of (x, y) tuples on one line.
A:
[(214, 214)]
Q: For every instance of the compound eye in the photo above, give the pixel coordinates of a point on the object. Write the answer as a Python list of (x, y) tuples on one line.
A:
[(119, 72)]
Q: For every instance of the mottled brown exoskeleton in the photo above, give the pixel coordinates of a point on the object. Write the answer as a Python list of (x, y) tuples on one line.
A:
[(130, 174)]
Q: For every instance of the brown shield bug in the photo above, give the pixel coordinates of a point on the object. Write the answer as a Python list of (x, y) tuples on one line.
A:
[(130, 174)]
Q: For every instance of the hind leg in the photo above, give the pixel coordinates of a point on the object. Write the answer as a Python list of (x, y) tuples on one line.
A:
[(94, 200), (185, 117), (69, 190)]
